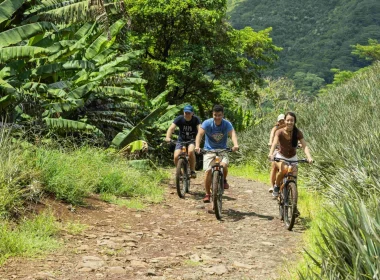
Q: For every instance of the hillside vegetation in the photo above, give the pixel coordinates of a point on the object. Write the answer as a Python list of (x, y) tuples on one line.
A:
[(316, 36), (342, 129)]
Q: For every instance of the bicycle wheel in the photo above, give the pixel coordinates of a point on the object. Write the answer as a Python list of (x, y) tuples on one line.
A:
[(188, 178), (181, 177), (217, 193), (281, 205), (290, 204)]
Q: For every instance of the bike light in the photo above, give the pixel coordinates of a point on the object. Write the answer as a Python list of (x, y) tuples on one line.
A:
[(290, 168), (183, 149), (217, 159)]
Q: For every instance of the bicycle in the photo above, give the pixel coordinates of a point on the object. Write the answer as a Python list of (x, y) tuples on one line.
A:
[(183, 172), (288, 196), (217, 187)]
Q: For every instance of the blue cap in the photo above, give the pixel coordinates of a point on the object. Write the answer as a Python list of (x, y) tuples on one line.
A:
[(188, 109)]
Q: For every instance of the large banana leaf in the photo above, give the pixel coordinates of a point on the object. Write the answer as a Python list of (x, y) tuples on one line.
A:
[(21, 33), (49, 69), (122, 139), (120, 60), (6, 88), (7, 54), (159, 99), (119, 91), (8, 8), (82, 90), (71, 13), (83, 31), (102, 41), (69, 125)]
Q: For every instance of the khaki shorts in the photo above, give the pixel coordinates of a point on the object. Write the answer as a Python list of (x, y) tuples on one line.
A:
[(209, 160)]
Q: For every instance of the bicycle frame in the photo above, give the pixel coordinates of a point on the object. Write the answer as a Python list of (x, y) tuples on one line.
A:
[(218, 181), (183, 169), (289, 186)]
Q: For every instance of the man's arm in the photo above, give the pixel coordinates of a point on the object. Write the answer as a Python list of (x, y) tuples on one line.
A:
[(200, 134), (170, 132), (233, 136)]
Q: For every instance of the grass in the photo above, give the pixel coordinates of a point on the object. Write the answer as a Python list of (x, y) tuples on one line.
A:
[(30, 238), (249, 172), (74, 227), (73, 175), (133, 203), (340, 191)]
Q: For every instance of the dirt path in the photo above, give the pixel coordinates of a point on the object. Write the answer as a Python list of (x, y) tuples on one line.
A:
[(177, 239)]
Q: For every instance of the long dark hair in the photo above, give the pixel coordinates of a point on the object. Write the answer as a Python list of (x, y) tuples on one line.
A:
[(295, 129)]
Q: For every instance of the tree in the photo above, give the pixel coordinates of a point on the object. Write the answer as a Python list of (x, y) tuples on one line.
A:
[(189, 46), (369, 52)]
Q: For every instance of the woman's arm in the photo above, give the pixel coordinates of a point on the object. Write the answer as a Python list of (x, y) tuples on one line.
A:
[(271, 136), (306, 150), (274, 144)]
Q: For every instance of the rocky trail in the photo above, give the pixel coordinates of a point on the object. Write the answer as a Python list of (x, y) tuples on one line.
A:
[(176, 239)]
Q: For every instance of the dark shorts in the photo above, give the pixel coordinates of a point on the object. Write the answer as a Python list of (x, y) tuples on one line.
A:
[(178, 146)]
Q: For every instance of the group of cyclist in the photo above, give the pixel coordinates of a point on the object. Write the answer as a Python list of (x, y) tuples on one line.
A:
[(216, 131), (284, 139)]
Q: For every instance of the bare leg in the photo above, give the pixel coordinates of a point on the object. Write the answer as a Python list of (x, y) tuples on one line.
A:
[(225, 170), (273, 173), (191, 154), (208, 179), (176, 154)]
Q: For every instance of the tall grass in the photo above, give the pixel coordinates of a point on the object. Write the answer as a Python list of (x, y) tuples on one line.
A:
[(73, 175), (343, 130)]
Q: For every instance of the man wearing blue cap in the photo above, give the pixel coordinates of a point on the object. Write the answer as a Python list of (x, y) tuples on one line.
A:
[(188, 125)]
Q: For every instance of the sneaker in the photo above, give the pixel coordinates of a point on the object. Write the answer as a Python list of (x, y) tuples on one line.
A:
[(206, 199), (275, 191), (226, 185), (193, 174), (270, 190)]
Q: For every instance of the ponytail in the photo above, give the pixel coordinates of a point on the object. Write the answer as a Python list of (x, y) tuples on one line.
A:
[(294, 137)]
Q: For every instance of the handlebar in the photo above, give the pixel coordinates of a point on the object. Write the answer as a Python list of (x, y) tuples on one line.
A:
[(180, 142), (216, 151), (304, 160)]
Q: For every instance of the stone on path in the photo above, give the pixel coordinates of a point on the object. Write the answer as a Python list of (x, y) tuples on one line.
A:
[(218, 270)]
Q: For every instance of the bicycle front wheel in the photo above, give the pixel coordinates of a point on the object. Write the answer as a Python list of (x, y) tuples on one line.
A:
[(217, 193), (290, 204), (181, 177)]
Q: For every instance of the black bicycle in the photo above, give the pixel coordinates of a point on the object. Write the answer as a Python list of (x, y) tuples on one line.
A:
[(183, 172), (288, 196), (217, 187)]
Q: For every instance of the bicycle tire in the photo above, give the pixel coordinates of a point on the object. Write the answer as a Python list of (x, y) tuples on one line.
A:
[(281, 205), (181, 177), (290, 209), (217, 193)]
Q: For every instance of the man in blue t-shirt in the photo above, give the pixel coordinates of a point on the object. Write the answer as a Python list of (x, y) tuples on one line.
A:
[(217, 131), (188, 125)]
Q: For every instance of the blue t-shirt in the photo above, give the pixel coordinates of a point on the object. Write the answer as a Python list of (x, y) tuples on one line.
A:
[(216, 135)]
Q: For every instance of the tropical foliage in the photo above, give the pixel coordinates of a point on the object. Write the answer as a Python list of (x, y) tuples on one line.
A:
[(71, 77), (111, 68), (341, 128)]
